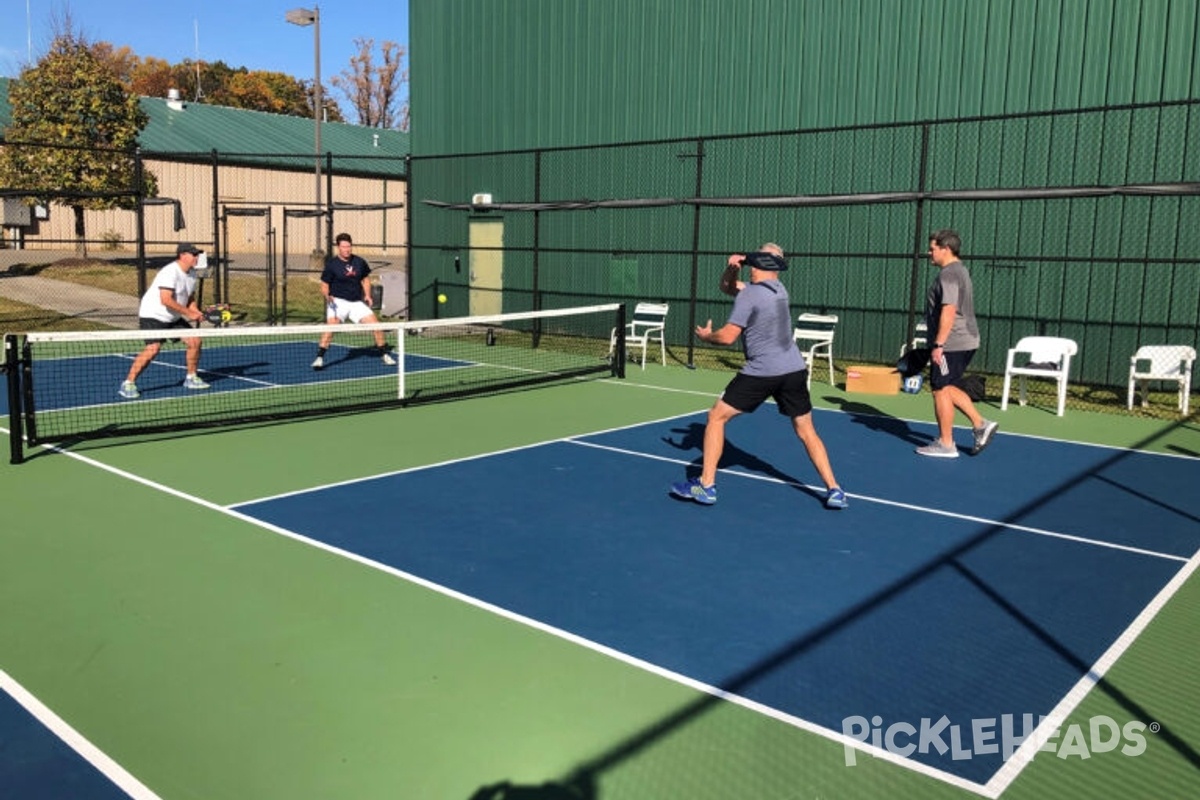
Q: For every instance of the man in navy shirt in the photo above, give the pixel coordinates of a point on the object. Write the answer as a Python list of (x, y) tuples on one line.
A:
[(346, 288)]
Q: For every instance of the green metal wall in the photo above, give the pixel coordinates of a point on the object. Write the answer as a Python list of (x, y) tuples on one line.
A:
[(645, 81), (1109, 270), (515, 74)]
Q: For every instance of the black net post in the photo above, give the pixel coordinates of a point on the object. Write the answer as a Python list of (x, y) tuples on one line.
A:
[(15, 429), (618, 350)]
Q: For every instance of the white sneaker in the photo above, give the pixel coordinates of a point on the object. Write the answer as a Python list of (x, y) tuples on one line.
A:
[(194, 382), (938, 450), (129, 391), (983, 436), (318, 363), (387, 359)]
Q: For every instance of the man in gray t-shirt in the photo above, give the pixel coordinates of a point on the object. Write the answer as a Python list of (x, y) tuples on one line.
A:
[(953, 340), (774, 368)]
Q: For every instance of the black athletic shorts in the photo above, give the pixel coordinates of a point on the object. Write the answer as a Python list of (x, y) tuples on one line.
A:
[(151, 324), (790, 391), (956, 365)]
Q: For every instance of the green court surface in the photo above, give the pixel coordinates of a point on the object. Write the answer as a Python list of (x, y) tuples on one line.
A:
[(216, 659)]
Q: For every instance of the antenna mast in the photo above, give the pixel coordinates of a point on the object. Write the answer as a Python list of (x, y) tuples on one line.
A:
[(199, 90)]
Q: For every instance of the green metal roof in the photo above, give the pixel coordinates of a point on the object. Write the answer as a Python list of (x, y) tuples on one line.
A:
[(197, 129)]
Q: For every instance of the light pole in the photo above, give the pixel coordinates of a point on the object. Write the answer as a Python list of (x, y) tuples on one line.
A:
[(305, 17)]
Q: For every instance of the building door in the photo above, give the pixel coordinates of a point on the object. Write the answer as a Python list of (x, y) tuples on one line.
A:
[(486, 266)]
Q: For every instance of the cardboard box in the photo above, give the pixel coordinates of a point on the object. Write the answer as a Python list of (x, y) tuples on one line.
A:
[(873, 380)]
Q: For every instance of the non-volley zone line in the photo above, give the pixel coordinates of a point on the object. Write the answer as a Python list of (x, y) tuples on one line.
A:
[(923, 509), (823, 579), (82, 387), (640, 494)]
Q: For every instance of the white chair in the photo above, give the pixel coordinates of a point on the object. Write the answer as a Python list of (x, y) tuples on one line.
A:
[(814, 335), (1049, 357), (1162, 362), (648, 325), (920, 338)]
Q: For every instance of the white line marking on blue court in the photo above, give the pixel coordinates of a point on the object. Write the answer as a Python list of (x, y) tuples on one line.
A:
[(75, 740), (909, 506), (992, 790)]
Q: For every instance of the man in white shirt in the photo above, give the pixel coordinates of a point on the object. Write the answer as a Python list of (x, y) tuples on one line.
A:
[(170, 302)]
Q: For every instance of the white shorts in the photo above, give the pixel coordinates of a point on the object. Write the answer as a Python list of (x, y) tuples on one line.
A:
[(354, 310)]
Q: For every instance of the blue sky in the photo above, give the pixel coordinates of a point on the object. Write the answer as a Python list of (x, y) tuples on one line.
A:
[(242, 33)]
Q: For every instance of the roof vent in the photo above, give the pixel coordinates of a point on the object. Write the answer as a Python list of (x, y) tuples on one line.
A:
[(173, 100)]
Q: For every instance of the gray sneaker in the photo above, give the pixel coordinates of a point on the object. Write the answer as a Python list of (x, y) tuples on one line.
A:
[(938, 450), (983, 436)]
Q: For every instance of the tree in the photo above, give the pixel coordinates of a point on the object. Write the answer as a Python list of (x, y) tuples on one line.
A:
[(72, 103), (373, 90), (152, 77)]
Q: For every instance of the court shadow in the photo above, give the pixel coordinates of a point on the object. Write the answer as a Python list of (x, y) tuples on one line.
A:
[(993, 589), (581, 787), (877, 421), (692, 438), (350, 355), (235, 371)]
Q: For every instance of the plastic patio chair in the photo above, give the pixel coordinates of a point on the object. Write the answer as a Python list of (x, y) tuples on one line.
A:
[(920, 338), (1049, 357), (1162, 362), (814, 335), (648, 325)]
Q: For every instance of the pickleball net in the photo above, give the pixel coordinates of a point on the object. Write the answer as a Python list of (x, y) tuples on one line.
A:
[(63, 386)]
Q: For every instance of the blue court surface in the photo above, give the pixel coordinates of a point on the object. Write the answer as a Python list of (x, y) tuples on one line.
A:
[(93, 380), (966, 589), (38, 763)]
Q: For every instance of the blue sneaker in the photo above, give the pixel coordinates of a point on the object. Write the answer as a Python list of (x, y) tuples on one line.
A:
[(691, 489), (836, 498)]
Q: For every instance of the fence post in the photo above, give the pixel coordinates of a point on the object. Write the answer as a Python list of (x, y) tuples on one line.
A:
[(328, 202), (220, 266), (408, 214), (691, 340), (140, 187), (537, 229), (919, 239)]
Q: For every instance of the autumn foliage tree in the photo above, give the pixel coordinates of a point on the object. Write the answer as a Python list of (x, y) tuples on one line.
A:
[(72, 103), (373, 88), (215, 83)]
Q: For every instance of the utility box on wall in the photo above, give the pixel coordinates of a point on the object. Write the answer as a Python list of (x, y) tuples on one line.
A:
[(15, 213)]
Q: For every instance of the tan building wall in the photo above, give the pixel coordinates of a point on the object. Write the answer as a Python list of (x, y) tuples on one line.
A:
[(375, 232)]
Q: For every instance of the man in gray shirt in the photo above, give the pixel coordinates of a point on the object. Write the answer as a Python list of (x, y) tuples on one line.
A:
[(774, 368), (954, 338)]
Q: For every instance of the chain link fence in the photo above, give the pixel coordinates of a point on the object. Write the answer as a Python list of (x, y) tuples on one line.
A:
[(257, 216), (1077, 224)]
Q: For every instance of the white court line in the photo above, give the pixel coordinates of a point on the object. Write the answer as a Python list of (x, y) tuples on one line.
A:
[(995, 786), (450, 461), (530, 622), (882, 501), (75, 740)]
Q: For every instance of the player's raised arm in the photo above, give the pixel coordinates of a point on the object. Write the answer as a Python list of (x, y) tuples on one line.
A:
[(730, 284)]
